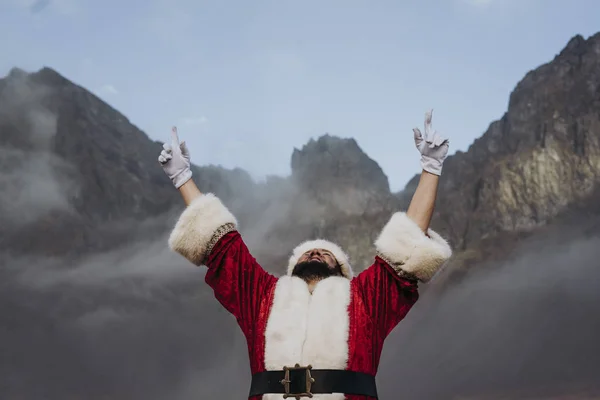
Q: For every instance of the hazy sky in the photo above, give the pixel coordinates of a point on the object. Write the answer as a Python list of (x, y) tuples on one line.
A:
[(247, 81)]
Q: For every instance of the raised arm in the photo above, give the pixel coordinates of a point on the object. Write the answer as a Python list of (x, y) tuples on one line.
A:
[(422, 204), (433, 149), (406, 242), (189, 191), (206, 233), (408, 251)]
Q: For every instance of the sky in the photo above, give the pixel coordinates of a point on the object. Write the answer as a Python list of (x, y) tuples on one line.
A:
[(246, 82)]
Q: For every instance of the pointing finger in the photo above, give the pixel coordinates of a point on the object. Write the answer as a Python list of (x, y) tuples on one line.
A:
[(428, 118), (174, 136)]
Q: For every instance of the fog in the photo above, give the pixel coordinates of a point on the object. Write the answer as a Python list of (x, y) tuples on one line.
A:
[(32, 177), (527, 326), (138, 322), (141, 323)]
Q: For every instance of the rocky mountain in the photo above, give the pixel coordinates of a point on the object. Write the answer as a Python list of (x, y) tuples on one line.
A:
[(76, 172), (91, 300), (540, 160)]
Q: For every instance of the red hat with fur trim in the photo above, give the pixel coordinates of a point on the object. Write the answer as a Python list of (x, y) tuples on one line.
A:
[(341, 257)]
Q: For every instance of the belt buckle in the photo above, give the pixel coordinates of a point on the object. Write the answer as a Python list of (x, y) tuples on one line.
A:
[(308, 379)]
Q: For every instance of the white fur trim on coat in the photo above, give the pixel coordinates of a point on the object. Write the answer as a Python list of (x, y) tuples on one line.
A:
[(339, 254), (195, 232), (308, 329), (403, 244)]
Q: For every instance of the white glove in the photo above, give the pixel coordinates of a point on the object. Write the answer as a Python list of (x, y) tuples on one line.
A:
[(433, 148), (175, 160)]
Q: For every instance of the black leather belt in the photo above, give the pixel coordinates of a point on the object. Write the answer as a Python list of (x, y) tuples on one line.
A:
[(302, 382)]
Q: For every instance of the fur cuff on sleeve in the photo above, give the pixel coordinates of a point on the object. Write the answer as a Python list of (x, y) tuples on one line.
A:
[(200, 226), (407, 249)]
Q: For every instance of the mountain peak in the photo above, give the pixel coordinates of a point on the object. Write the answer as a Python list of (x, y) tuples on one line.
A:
[(339, 160), (337, 171), (575, 42), (16, 72), (578, 45), (50, 77), (45, 75)]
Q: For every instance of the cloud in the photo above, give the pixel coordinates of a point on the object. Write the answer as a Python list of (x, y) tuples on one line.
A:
[(146, 260), (33, 182), (108, 89), (526, 323)]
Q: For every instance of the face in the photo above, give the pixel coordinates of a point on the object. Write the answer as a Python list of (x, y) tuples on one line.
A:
[(317, 264)]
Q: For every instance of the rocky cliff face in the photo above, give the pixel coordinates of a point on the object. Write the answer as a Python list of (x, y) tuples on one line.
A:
[(535, 162)]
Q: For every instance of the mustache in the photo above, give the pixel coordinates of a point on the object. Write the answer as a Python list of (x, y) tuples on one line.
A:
[(314, 269)]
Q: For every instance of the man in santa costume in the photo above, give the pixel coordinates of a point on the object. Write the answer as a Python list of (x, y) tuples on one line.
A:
[(318, 331)]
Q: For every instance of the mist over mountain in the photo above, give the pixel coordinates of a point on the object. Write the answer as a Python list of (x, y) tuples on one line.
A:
[(94, 305)]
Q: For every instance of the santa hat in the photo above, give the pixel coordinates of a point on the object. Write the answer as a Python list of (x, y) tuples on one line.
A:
[(341, 257)]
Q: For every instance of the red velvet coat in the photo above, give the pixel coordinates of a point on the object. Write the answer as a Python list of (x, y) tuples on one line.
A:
[(342, 324)]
